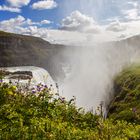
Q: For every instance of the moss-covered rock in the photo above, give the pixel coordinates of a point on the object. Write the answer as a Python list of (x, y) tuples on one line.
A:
[(126, 105)]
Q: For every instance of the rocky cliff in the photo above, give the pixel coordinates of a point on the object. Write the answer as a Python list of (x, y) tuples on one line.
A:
[(21, 50)]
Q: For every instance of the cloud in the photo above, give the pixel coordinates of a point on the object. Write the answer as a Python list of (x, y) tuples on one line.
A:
[(44, 4), (14, 5), (43, 22), (132, 14), (113, 31), (80, 22), (24, 26), (18, 3), (46, 22), (116, 26), (130, 10), (32, 30), (30, 22), (20, 25), (10, 25), (10, 9)]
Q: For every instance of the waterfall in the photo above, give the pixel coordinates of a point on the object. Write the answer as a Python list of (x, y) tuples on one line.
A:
[(93, 69), (40, 75)]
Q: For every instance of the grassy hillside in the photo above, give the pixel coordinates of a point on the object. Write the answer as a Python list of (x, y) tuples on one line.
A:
[(126, 105), (39, 114)]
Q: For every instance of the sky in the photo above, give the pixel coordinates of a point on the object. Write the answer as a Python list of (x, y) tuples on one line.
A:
[(39, 17)]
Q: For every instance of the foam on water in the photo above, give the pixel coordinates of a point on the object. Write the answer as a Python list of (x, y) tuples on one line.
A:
[(40, 75)]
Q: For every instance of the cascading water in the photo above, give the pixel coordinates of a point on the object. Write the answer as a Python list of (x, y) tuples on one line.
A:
[(40, 75)]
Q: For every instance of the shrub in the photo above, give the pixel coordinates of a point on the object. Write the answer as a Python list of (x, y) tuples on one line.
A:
[(39, 114)]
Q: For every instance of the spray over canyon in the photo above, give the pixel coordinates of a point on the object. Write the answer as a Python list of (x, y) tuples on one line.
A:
[(91, 69)]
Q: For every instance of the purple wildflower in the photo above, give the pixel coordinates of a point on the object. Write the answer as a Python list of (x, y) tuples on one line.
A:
[(134, 109), (39, 89), (46, 86), (33, 91), (62, 99)]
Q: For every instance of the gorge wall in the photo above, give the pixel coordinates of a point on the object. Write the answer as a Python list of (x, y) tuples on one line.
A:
[(19, 50)]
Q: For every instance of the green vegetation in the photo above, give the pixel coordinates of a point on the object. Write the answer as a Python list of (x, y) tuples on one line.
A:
[(39, 114), (4, 34), (126, 105)]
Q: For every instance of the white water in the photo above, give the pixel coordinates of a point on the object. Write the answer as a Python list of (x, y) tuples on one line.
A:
[(40, 75)]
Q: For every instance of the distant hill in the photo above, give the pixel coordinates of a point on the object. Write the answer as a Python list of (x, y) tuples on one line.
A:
[(21, 50)]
